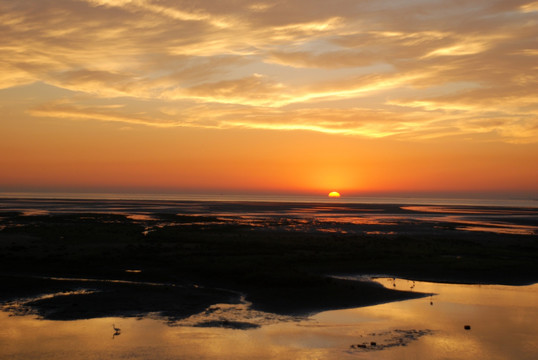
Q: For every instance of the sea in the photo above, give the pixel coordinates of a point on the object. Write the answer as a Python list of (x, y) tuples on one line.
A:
[(503, 201)]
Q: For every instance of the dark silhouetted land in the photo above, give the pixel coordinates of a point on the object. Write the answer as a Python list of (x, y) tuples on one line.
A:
[(178, 258)]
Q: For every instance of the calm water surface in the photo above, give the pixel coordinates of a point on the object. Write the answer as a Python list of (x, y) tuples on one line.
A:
[(502, 320), (515, 201)]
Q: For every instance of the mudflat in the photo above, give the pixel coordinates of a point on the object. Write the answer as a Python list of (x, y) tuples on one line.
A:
[(82, 259)]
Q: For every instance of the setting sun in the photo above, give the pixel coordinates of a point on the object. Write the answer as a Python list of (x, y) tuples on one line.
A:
[(334, 194), (340, 98)]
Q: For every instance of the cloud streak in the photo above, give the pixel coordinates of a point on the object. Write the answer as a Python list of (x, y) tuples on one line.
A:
[(350, 68)]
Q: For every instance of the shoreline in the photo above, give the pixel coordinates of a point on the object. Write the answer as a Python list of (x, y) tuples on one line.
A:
[(52, 298), (74, 299)]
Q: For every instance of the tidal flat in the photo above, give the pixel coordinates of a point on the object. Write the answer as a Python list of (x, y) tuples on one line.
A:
[(195, 263)]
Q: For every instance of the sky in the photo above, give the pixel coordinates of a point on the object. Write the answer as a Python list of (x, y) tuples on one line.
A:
[(290, 97)]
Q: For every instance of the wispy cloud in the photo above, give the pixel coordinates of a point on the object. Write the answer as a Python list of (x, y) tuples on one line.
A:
[(265, 65)]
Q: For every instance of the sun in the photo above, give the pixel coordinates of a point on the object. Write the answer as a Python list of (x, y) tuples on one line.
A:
[(334, 194)]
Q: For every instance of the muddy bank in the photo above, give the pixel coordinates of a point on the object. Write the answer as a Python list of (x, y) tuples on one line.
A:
[(179, 262), (73, 299)]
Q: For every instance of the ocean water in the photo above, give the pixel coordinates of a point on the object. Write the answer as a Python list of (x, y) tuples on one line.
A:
[(470, 201)]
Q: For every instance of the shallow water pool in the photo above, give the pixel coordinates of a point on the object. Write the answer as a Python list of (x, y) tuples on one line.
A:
[(502, 321)]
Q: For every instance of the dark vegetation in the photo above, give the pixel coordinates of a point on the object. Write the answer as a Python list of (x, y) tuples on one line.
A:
[(280, 263)]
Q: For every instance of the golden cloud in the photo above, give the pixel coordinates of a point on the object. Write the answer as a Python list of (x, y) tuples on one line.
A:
[(275, 66)]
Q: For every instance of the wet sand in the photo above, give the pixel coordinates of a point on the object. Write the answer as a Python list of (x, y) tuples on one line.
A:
[(134, 258)]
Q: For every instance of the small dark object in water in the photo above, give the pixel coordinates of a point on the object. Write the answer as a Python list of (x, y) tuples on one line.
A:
[(361, 346), (467, 327), (227, 324), (373, 343)]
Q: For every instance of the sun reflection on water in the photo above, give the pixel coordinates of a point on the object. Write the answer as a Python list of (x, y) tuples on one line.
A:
[(501, 319)]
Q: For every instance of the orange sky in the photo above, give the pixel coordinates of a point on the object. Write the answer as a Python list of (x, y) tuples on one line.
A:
[(298, 96)]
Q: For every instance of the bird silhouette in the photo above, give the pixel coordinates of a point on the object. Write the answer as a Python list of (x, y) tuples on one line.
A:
[(117, 331)]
